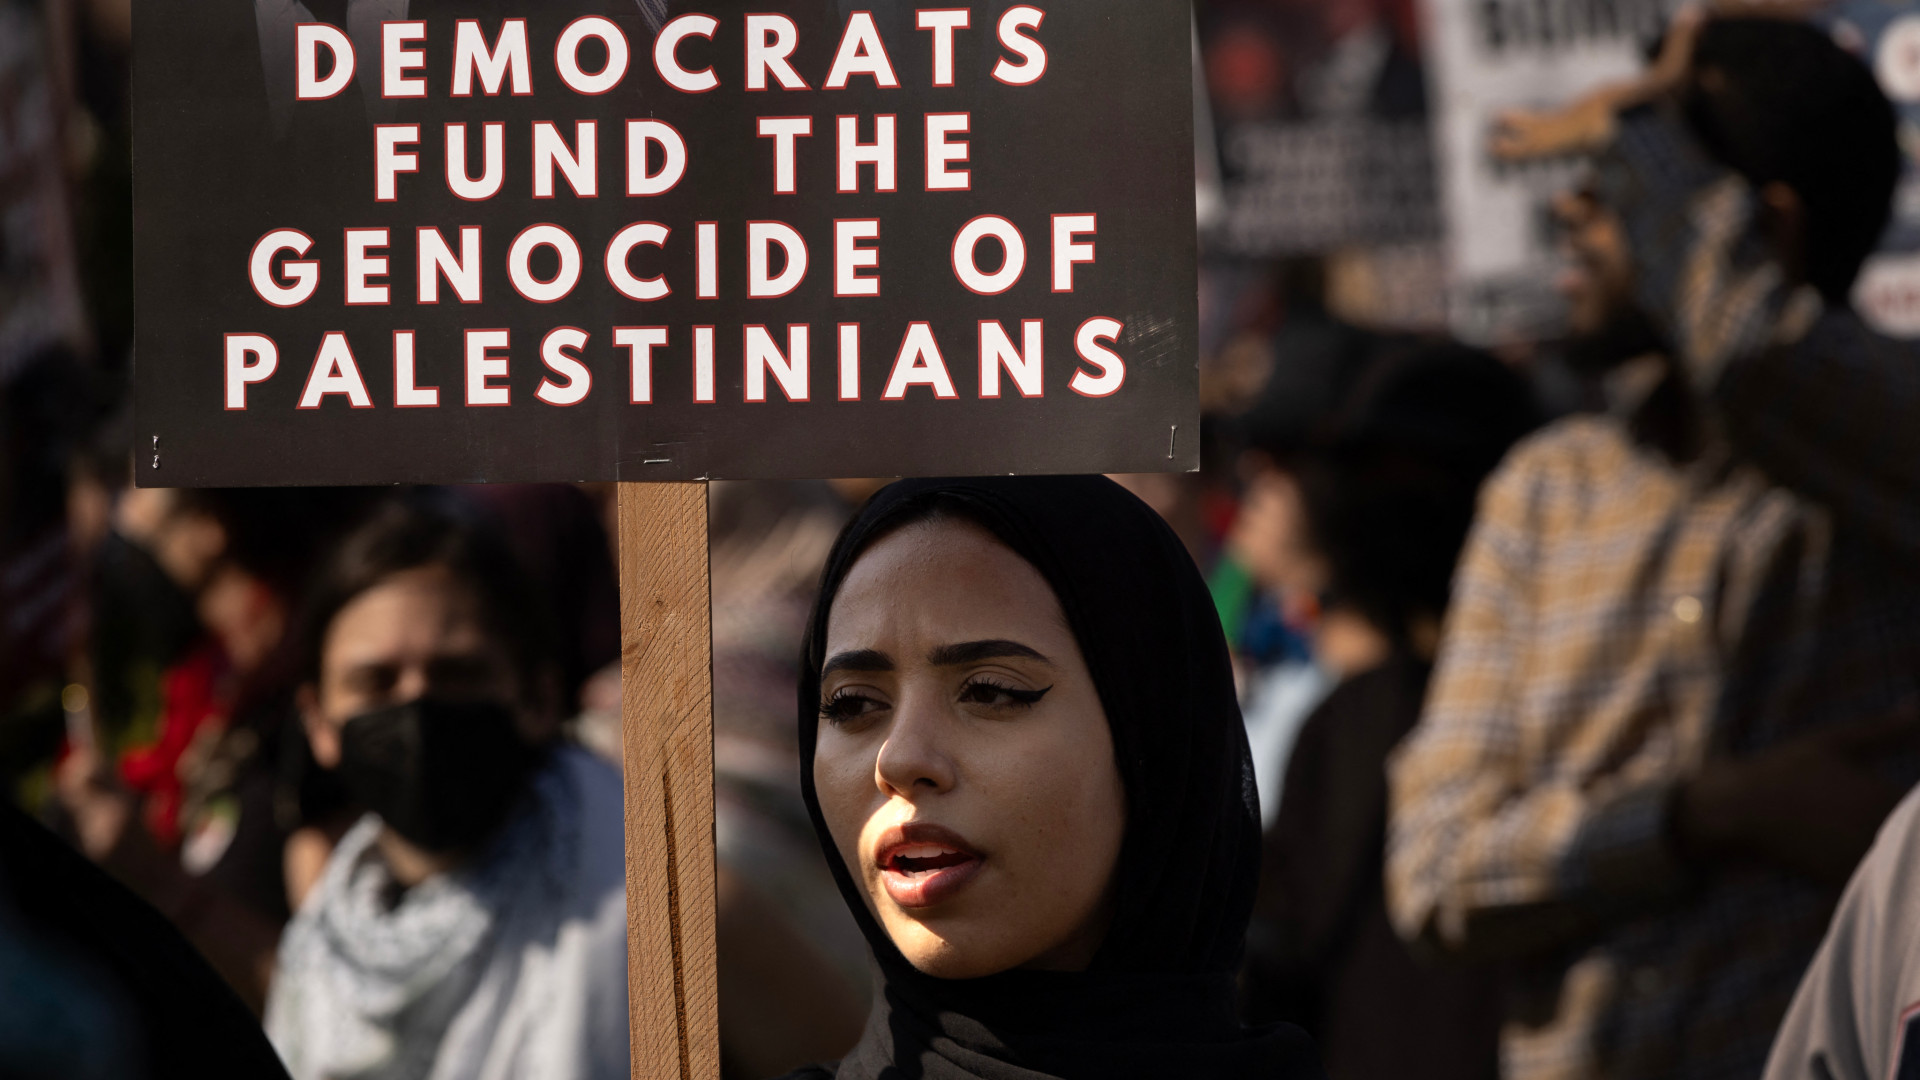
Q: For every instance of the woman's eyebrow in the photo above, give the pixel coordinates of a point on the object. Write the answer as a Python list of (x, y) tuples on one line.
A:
[(972, 652), (857, 660)]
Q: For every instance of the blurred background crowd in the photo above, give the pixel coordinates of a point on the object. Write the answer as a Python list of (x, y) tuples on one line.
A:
[(1578, 802)]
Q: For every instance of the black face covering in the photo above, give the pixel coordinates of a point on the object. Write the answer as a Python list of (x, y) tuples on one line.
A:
[(442, 774), (1158, 1000)]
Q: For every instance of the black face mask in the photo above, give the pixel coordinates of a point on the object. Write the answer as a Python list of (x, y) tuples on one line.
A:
[(442, 774)]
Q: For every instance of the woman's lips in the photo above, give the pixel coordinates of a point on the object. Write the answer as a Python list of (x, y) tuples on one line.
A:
[(922, 864)]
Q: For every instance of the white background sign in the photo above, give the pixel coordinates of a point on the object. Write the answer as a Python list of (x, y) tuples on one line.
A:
[(1485, 57)]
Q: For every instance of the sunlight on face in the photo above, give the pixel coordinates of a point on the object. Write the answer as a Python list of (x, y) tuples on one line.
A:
[(964, 763)]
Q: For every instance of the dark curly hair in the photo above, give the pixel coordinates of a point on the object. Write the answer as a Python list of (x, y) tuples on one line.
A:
[(1779, 101)]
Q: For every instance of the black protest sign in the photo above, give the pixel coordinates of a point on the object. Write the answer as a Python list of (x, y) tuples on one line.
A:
[(448, 240)]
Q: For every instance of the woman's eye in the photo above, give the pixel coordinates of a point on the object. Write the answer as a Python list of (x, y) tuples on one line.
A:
[(993, 694), (846, 706)]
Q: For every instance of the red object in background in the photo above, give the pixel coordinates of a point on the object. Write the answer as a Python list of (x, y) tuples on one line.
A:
[(1217, 510), (190, 700), (1246, 71)]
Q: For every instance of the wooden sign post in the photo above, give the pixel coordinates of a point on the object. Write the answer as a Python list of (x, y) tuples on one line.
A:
[(656, 244), (666, 684)]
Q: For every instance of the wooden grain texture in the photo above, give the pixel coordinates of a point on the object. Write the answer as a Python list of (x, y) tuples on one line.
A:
[(666, 678)]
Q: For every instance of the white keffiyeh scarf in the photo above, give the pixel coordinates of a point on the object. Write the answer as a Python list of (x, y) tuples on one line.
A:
[(513, 967)]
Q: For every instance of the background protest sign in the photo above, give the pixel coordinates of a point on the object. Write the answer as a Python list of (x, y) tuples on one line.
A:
[(1323, 128), (1486, 57), (641, 242), (1886, 35)]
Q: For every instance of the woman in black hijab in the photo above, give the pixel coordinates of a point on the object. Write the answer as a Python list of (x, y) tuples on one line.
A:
[(1022, 754)]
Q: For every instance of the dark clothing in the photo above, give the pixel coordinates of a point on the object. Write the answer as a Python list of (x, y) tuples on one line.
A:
[(1158, 998), (177, 1017), (1323, 953)]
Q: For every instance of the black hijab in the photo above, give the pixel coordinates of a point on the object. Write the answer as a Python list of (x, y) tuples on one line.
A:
[(1158, 999)]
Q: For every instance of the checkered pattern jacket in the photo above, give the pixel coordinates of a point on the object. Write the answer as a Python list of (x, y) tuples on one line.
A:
[(1621, 615)]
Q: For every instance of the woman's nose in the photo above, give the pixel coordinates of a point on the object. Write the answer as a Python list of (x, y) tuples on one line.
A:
[(915, 759)]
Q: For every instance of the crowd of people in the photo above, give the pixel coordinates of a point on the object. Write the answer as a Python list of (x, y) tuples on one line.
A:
[(1542, 713)]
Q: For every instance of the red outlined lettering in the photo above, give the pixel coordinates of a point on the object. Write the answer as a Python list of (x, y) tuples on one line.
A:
[(520, 255), (761, 235), (640, 341), (396, 60), (942, 150), (882, 153), (784, 130), (1026, 365), (567, 365), (566, 55), (581, 165), (666, 54), (434, 259), (334, 372), (673, 157), (703, 365), (407, 394), (760, 354), (506, 62), (861, 52), (849, 361), (1033, 55), (389, 162), (241, 374), (943, 22), (706, 257), (494, 140), (849, 258), (925, 369), (483, 367), (763, 57), (1113, 370), (308, 38), (302, 275), (362, 264), (1066, 252), (621, 277), (966, 249)]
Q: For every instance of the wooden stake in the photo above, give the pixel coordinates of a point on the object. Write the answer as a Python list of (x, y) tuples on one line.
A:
[(666, 678)]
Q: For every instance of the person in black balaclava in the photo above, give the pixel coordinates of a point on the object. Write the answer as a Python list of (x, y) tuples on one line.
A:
[(473, 923), (1023, 757)]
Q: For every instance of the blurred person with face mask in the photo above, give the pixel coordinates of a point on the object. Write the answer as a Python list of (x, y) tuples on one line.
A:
[(473, 923), (1675, 694)]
